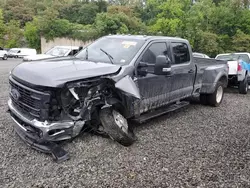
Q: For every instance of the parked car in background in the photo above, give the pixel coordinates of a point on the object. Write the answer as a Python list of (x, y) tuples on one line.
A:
[(112, 80), (3, 54), (196, 54), (57, 51), (21, 52), (237, 76), (12, 52)]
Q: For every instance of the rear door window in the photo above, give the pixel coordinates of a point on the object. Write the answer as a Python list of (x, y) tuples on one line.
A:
[(180, 52)]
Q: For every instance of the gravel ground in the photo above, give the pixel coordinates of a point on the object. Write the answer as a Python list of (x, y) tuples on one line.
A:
[(198, 146)]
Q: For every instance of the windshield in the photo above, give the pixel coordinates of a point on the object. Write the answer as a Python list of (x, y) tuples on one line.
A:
[(57, 51), (121, 51), (13, 51), (234, 57)]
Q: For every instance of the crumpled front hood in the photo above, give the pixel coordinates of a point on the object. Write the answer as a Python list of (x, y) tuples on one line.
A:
[(56, 73)]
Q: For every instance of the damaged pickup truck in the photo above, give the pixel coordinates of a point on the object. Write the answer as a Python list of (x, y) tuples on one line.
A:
[(115, 79)]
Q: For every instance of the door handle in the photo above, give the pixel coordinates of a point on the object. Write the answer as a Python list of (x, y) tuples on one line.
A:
[(191, 71)]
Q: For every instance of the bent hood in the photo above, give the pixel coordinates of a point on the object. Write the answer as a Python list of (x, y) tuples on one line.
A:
[(56, 73)]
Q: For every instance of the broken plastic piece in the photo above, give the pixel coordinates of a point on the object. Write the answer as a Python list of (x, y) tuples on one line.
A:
[(127, 85), (58, 153)]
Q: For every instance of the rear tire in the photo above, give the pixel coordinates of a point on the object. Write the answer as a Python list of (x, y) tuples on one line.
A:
[(243, 87), (215, 98), (116, 126), (203, 99)]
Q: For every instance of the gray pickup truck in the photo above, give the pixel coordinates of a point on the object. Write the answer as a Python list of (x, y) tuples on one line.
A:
[(115, 79)]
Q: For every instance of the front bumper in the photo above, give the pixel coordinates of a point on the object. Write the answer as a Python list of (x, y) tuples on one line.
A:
[(42, 135)]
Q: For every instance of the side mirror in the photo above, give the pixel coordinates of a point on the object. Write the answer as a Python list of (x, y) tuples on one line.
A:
[(162, 65)]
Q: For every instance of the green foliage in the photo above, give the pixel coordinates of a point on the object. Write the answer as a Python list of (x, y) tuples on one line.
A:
[(31, 34), (241, 42), (113, 23), (80, 13), (17, 10), (2, 29), (13, 34)]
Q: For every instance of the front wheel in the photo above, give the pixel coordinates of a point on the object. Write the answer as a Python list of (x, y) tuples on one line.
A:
[(116, 126), (5, 57)]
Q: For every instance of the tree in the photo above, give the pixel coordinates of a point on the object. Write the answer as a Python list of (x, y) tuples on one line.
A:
[(17, 10), (107, 23), (80, 13), (14, 34), (32, 36), (241, 42), (170, 18), (2, 29)]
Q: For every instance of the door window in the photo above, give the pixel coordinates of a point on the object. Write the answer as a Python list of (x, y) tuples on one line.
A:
[(181, 53), (153, 51)]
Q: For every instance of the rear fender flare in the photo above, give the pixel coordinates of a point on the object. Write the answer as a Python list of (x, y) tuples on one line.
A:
[(209, 84)]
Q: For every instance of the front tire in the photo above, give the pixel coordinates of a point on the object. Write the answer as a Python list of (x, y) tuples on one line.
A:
[(243, 87), (5, 57), (116, 126)]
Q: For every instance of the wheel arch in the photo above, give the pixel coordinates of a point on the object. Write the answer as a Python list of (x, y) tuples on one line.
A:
[(224, 80)]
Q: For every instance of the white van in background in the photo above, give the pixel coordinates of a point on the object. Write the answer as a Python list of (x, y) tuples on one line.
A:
[(56, 51), (21, 52), (3, 54)]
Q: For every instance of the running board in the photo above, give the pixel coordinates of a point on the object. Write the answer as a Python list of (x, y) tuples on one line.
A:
[(161, 111)]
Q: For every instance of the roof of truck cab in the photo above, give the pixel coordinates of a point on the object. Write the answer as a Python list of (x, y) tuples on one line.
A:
[(146, 37)]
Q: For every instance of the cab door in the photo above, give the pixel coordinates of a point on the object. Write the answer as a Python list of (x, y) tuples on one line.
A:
[(183, 72), (154, 89)]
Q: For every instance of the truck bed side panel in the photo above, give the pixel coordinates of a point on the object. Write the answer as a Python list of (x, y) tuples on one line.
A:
[(209, 72)]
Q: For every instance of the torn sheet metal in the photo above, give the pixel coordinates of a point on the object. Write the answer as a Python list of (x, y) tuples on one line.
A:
[(127, 85)]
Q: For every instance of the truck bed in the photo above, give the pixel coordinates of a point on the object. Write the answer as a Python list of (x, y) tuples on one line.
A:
[(207, 70), (206, 62)]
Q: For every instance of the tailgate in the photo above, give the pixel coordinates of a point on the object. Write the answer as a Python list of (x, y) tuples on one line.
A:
[(233, 67)]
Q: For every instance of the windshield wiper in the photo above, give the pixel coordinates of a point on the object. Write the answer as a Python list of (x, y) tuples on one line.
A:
[(109, 56)]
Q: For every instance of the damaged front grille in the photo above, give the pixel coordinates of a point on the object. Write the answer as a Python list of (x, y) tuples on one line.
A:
[(29, 101)]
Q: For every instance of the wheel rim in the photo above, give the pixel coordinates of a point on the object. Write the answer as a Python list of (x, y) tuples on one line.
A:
[(246, 87), (219, 94), (120, 121)]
